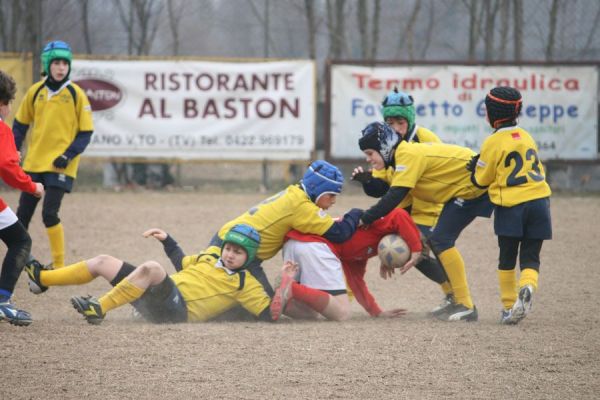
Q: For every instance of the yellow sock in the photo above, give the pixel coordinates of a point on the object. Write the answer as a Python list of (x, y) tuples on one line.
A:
[(74, 274), (529, 276), (125, 292), (446, 287), (56, 236), (508, 287), (454, 266)]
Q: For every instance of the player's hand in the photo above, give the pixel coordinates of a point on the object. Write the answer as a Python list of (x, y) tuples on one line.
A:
[(414, 259), (360, 175), (39, 190), (385, 272), (61, 162), (395, 313), (156, 233), (290, 268), (472, 164)]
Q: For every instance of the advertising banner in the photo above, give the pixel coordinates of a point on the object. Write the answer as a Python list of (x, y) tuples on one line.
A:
[(200, 110), (560, 104)]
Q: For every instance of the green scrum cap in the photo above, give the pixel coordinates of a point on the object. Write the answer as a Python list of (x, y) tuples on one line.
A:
[(399, 105), (53, 51), (246, 237)]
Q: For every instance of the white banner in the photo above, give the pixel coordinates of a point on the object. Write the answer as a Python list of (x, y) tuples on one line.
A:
[(200, 110), (560, 104)]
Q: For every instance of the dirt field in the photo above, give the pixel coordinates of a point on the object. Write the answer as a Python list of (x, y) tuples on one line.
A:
[(553, 354)]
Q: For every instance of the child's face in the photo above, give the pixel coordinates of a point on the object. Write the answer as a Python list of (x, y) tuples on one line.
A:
[(59, 69), (233, 256), (374, 158), (400, 125), (326, 201), (4, 110)]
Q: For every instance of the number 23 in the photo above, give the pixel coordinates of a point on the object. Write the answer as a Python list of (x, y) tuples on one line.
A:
[(534, 173)]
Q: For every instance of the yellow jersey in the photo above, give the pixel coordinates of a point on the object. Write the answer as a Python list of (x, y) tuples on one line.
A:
[(436, 172), (210, 289), (57, 118), (422, 212), (509, 165), (277, 215)]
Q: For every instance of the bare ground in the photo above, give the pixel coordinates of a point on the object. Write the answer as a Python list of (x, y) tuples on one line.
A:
[(553, 354)]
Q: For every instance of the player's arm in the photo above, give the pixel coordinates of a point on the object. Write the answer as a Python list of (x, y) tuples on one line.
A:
[(355, 277), (83, 137), (483, 166), (172, 249), (385, 205), (10, 171), (343, 230), (372, 185), (19, 132)]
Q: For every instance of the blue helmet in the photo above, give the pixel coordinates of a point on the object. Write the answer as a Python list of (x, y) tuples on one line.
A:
[(53, 51), (381, 138), (246, 237), (322, 178)]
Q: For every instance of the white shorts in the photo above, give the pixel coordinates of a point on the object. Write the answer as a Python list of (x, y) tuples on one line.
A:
[(7, 218), (319, 267)]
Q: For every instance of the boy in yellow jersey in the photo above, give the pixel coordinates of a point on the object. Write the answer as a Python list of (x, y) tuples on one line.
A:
[(509, 166), (205, 286), (301, 207), (432, 172), (399, 113), (61, 116)]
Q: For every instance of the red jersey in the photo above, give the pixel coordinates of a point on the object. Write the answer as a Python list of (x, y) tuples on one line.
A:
[(355, 252), (10, 171)]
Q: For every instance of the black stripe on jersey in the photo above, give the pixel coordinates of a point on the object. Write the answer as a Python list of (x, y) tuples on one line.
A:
[(242, 280), (38, 90)]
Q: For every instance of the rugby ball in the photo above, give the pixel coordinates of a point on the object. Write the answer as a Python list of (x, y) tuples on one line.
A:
[(393, 251)]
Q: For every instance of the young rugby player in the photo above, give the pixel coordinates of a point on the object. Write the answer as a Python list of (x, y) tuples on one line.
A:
[(509, 166), (301, 207), (399, 113), (12, 233), (205, 286), (312, 281), (62, 128), (432, 172)]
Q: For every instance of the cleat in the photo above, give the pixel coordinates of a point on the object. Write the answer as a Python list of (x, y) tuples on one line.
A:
[(507, 318), (89, 307), (33, 268), (522, 307), (282, 295), (446, 303), (14, 316), (459, 312)]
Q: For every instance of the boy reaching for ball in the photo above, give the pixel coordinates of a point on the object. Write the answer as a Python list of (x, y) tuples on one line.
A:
[(312, 278)]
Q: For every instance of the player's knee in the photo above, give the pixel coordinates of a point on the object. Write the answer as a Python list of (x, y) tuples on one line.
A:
[(150, 269)]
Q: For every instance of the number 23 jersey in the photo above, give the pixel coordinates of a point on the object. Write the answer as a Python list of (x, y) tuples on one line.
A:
[(509, 164)]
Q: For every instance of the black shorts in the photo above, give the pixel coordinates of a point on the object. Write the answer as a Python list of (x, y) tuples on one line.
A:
[(529, 220), (52, 179), (162, 303)]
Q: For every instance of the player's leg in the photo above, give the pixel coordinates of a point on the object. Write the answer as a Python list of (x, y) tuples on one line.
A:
[(432, 269), (18, 242), (456, 215), (507, 276), (26, 209), (529, 260), (321, 283), (128, 290), (75, 274), (54, 228)]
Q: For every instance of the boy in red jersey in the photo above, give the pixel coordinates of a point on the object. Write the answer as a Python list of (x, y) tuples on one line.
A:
[(319, 266), (12, 232)]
